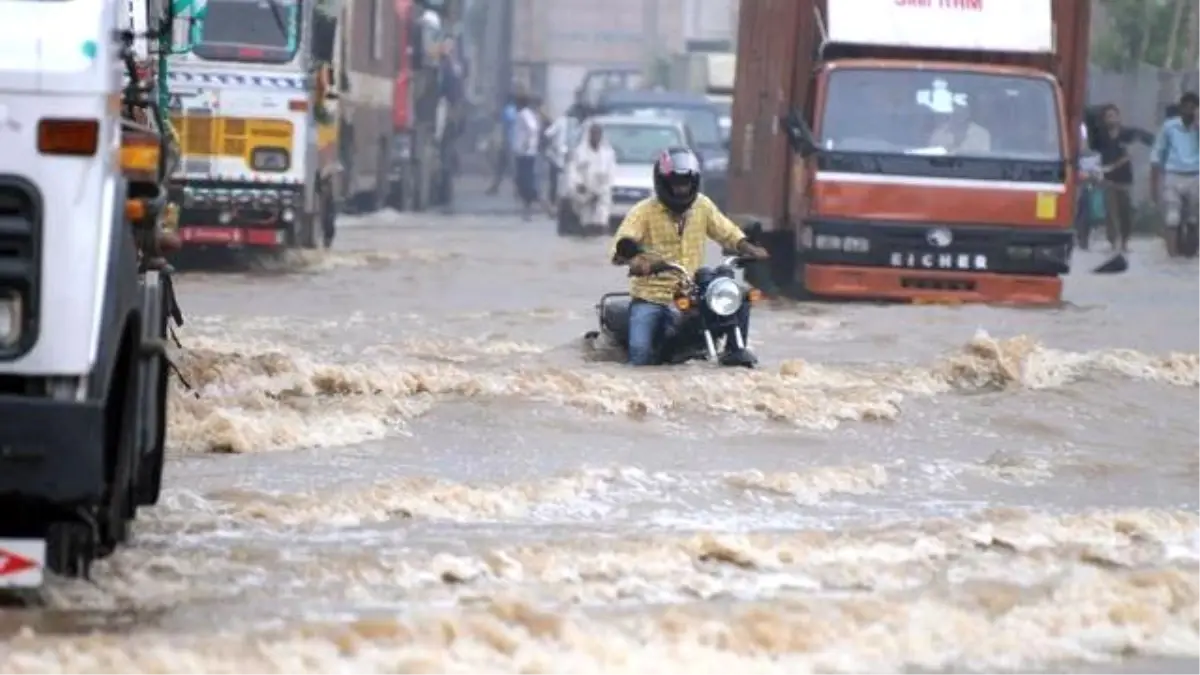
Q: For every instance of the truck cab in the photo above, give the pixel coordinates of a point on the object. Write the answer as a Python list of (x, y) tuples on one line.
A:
[(84, 298), (425, 118), (256, 170), (923, 153)]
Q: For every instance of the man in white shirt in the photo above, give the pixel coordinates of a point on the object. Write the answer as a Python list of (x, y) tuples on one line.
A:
[(590, 175), (556, 154), (526, 138), (960, 135)]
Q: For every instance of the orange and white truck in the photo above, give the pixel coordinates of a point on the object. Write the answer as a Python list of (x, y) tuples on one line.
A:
[(911, 150)]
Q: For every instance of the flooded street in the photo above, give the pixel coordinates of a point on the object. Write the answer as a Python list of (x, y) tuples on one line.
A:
[(400, 456)]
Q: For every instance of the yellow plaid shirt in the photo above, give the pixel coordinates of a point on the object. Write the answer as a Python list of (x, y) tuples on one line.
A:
[(656, 229)]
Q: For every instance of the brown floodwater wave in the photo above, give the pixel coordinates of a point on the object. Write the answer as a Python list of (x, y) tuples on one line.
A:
[(252, 398), (1006, 589)]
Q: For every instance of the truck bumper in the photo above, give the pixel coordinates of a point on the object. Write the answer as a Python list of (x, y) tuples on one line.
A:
[(51, 451), (237, 215), (232, 236), (934, 287)]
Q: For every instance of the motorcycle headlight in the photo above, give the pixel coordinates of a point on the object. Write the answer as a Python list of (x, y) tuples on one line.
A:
[(723, 297)]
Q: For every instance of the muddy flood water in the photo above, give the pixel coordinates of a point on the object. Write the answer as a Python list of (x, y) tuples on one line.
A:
[(400, 456)]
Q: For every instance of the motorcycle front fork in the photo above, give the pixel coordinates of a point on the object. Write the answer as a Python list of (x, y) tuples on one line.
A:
[(709, 342)]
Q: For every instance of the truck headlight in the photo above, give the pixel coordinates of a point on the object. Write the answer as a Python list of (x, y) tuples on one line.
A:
[(10, 318), (270, 159), (833, 242), (723, 297)]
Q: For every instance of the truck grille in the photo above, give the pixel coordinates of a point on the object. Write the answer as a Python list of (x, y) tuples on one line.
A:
[(208, 136), (195, 134), (20, 243)]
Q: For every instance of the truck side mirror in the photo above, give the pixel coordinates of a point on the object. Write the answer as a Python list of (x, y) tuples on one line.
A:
[(800, 136)]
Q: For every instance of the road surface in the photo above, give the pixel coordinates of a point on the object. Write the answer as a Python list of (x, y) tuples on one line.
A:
[(399, 456)]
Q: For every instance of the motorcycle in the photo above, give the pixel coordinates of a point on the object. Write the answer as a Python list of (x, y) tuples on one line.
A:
[(703, 314)]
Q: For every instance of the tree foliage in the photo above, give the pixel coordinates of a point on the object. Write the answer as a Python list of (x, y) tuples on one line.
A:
[(1157, 32)]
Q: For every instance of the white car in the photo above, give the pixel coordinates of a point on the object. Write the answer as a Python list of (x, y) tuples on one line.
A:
[(637, 141)]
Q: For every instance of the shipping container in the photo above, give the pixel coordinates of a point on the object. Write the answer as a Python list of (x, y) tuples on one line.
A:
[(788, 50)]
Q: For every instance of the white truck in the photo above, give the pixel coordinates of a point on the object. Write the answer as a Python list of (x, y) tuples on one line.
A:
[(84, 296), (260, 166)]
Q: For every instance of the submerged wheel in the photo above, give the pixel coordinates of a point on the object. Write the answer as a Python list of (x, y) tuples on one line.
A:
[(307, 224), (328, 211), (154, 397), (121, 447)]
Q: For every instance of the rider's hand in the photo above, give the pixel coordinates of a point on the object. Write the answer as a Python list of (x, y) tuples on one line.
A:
[(753, 251), (640, 265)]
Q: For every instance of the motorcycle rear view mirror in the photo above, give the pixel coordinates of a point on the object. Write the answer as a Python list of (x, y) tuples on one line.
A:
[(628, 249)]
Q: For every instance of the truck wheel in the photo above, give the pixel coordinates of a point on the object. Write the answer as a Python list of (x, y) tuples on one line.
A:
[(409, 191), (151, 469), (779, 276), (328, 215), (424, 197), (158, 380), (121, 448), (379, 198), (70, 549), (306, 226), (400, 193)]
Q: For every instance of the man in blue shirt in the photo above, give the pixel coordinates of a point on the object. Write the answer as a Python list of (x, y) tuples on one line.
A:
[(1175, 170), (504, 158)]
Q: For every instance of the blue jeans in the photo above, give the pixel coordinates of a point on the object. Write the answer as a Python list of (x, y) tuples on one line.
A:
[(648, 323)]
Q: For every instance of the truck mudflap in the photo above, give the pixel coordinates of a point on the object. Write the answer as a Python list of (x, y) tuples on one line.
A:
[(51, 451), (930, 287)]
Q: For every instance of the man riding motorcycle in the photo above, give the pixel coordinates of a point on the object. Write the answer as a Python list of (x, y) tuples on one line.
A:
[(673, 225)]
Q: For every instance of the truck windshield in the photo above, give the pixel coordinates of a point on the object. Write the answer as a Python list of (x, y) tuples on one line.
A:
[(931, 112), (256, 31)]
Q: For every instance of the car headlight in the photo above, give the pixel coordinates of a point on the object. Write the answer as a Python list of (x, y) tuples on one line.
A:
[(270, 159), (723, 297)]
